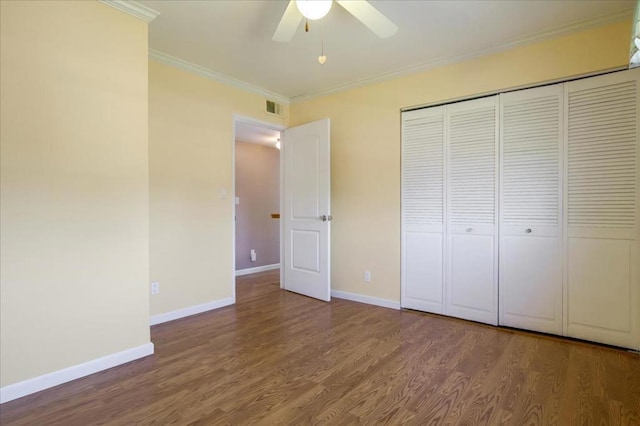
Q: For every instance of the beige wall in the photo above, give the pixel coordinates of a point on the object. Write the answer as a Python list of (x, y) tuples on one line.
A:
[(365, 138), (190, 162), (258, 188), (74, 185)]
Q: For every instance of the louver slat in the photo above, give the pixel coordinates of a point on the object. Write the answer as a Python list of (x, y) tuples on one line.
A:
[(602, 156), (472, 139), (422, 170), (531, 161)]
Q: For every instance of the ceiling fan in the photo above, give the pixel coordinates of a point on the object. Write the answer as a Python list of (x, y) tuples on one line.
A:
[(297, 10)]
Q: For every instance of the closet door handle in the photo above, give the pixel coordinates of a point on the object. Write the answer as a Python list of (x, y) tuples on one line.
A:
[(528, 230), (469, 229)]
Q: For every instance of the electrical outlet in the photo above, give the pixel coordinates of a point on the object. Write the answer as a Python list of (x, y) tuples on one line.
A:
[(367, 276), (155, 287)]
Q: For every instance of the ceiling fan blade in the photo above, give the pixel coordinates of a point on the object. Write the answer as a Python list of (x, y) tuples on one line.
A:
[(288, 24), (370, 16)]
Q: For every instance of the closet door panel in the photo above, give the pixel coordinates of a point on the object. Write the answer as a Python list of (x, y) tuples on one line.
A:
[(423, 271), (471, 281), (531, 283), (600, 285), (531, 209), (603, 286), (423, 135)]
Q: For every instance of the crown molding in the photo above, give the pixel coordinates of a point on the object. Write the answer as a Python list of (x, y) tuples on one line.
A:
[(133, 8), (425, 66), (212, 75)]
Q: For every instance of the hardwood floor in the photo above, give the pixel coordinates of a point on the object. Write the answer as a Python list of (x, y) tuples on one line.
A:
[(277, 358)]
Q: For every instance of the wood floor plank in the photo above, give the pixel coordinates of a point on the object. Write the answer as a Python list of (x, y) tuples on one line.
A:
[(278, 358)]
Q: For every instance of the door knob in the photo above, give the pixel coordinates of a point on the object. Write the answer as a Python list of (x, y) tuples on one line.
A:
[(528, 230), (326, 218), (469, 229)]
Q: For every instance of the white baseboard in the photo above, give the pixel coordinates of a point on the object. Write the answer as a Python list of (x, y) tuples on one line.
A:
[(191, 310), (257, 269), (385, 303), (49, 380)]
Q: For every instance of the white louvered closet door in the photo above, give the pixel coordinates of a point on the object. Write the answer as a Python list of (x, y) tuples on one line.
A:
[(531, 133), (603, 290), (472, 274), (423, 209)]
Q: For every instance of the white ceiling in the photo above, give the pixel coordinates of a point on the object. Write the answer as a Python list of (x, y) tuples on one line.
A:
[(233, 38), (246, 132)]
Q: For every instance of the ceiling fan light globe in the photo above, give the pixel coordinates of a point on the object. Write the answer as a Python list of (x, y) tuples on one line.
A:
[(314, 9)]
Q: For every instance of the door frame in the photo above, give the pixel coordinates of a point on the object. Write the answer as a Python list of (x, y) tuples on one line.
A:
[(238, 118)]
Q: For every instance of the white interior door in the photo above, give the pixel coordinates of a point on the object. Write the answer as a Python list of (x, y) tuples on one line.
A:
[(531, 215), (472, 263), (603, 284), (423, 210), (307, 209)]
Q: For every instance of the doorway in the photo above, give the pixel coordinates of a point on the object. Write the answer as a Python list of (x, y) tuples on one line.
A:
[(257, 178), (304, 191)]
